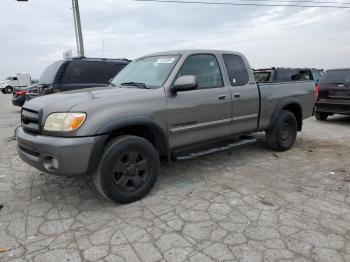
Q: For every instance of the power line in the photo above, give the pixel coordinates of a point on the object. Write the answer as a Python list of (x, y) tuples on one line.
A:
[(297, 1), (250, 4)]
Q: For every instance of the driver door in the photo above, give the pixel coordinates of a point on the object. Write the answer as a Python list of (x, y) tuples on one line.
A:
[(202, 114)]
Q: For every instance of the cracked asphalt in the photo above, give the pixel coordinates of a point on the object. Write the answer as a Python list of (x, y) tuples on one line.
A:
[(250, 204)]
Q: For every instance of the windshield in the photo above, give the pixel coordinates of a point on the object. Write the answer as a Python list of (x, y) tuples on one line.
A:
[(336, 77), (150, 71)]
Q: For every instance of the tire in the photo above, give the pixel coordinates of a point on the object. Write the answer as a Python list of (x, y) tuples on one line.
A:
[(8, 90), (282, 135), (128, 169), (3, 91), (321, 116)]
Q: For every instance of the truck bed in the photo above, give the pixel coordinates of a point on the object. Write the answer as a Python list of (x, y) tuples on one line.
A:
[(275, 95)]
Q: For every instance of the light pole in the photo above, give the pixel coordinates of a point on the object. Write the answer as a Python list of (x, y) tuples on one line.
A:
[(77, 27)]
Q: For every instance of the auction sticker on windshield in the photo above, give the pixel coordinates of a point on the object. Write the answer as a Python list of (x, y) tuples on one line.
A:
[(165, 60)]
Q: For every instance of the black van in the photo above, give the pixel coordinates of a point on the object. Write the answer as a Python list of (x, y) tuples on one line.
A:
[(76, 73)]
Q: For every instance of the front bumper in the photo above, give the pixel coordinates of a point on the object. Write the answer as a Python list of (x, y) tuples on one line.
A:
[(72, 154), (333, 107)]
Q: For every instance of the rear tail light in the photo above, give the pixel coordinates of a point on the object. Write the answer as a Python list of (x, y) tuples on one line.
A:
[(21, 92), (317, 90)]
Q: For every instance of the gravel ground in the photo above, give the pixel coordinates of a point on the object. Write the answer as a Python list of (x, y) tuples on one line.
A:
[(250, 204)]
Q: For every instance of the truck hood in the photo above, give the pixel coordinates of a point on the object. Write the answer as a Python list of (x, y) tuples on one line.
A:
[(64, 102)]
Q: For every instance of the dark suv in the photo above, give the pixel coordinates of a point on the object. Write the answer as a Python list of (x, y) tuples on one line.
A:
[(76, 73), (333, 93)]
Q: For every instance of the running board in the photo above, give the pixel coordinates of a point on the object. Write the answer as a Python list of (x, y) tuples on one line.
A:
[(181, 156)]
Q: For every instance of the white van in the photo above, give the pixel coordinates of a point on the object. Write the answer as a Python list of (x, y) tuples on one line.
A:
[(12, 83)]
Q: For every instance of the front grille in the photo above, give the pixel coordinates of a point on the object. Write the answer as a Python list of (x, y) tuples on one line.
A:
[(31, 121)]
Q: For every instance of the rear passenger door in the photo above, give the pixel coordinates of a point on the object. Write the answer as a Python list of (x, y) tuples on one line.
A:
[(245, 95)]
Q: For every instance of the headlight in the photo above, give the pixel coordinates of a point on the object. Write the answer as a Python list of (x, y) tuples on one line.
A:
[(64, 121)]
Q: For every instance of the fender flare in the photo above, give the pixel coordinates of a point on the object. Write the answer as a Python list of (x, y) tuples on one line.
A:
[(104, 132), (283, 104)]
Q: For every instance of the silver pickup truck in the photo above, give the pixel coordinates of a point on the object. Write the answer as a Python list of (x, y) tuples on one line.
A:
[(173, 106)]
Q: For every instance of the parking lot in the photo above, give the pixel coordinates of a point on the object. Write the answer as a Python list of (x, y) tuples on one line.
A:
[(250, 204)]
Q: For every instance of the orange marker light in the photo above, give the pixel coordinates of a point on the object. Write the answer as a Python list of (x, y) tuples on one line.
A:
[(77, 121)]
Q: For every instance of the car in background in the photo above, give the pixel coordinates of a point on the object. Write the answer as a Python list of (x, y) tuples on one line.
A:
[(333, 93), (19, 96), (281, 74), (76, 73)]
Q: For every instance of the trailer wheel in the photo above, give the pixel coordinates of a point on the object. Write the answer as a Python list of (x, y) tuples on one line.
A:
[(8, 90)]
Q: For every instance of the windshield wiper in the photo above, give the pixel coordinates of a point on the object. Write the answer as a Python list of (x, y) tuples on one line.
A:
[(137, 84)]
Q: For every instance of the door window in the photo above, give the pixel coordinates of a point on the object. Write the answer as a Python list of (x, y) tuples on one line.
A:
[(205, 68), (236, 70)]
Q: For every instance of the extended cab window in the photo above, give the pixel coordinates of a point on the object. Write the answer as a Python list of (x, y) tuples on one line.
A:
[(85, 72), (205, 68), (236, 70)]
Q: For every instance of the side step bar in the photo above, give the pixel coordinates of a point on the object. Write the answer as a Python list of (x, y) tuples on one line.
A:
[(218, 148)]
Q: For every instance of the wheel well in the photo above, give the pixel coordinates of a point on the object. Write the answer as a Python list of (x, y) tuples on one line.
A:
[(297, 111), (146, 132)]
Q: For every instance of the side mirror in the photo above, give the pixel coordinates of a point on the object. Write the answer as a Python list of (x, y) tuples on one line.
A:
[(185, 83)]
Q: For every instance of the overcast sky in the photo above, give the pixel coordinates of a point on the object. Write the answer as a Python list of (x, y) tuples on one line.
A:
[(34, 34)]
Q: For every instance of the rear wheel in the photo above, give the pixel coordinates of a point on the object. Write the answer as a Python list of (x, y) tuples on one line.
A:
[(8, 90), (128, 169), (283, 132), (321, 116)]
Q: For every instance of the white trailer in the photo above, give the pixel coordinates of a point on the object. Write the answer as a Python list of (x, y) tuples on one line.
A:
[(12, 83)]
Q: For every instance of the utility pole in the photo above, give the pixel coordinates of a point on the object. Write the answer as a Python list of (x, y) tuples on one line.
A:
[(77, 27), (103, 48)]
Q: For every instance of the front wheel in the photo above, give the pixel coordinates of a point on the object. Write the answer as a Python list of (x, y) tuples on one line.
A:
[(8, 90), (128, 169), (281, 136), (321, 116)]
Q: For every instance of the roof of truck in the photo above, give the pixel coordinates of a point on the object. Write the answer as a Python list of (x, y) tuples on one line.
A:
[(192, 51)]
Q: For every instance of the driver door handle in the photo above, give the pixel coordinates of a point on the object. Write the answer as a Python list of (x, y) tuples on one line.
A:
[(221, 97), (237, 95)]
